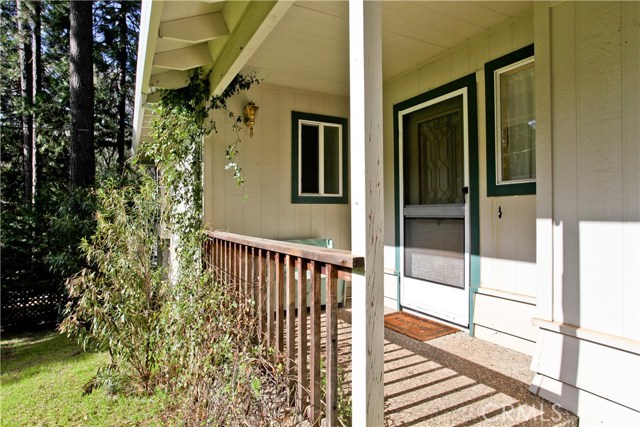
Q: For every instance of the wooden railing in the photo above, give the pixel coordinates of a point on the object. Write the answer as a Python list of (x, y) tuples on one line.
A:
[(256, 267)]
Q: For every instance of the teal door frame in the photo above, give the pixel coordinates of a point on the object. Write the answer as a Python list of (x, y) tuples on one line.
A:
[(468, 82)]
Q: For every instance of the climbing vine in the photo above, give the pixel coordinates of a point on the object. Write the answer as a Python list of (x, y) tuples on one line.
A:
[(179, 124)]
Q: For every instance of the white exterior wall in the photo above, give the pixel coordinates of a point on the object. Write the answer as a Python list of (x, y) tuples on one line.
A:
[(507, 245), (588, 352), (266, 162)]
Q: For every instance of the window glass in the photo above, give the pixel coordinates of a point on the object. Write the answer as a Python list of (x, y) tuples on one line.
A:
[(517, 129), (331, 160), (309, 159)]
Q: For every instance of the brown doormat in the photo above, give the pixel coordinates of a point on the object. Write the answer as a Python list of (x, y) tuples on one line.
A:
[(416, 327)]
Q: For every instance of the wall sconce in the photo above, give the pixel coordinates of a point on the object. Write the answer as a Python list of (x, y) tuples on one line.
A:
[(250, 111)]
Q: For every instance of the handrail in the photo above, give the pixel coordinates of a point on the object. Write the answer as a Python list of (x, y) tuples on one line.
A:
[(256, 268), (336, 257)]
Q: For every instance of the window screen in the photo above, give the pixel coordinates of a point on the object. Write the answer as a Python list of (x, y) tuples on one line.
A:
[(434, 250)]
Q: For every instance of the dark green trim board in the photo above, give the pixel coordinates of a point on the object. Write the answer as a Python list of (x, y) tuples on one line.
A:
[(468, 82), (295, 197), (493, 189)]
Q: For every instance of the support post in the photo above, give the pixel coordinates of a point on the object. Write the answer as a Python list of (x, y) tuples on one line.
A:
[(367, 232)]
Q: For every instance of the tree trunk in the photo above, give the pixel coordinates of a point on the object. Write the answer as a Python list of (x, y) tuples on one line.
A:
[(36, 64), (82, 159), (122, 86), (26, 93)]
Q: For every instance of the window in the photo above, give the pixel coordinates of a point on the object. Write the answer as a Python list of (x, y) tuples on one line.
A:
[(511, 124), (319, 159)]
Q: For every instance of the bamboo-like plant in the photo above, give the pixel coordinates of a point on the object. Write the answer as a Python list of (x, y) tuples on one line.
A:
[(117, 301)]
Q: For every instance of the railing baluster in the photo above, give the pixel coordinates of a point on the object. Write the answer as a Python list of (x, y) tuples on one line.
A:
[(227, 262), (270, 299), (255, 269), (234, 260), (253, 276), (315, 379), (303, 380), (245, 276), (214, 258), (279, 303), (217, 264), (262, 312), (332, 346), (220, 261), (239, 270), (291, 321)]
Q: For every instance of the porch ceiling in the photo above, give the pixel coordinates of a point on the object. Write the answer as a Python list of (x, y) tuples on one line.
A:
[(301, 44), (309, 49)]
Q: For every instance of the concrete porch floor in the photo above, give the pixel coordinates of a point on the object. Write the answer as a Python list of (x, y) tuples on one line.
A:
[(455, 380)]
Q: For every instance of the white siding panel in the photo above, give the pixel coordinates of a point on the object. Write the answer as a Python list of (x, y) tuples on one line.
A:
[(490, 312), (631, 167), (565, 170), (595, 113), (595, 368), (459, 62), (500, 42), (266, 162), (479, 53)]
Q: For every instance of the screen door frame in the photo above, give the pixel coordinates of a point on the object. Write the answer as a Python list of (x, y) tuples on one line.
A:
[(466, 86)]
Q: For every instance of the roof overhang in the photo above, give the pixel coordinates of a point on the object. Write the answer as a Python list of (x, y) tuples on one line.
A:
[(302, 44), (177, 37)]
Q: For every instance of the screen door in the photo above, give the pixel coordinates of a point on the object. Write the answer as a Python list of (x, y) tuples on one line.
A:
[(434, 224)]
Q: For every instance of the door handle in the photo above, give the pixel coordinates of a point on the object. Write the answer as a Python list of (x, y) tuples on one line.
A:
[(465, 191)]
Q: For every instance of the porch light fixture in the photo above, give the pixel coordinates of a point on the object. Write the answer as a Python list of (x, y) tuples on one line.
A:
[(250, 111)]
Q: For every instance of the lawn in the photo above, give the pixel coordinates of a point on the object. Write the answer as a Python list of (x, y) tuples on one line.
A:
[(41, 381)]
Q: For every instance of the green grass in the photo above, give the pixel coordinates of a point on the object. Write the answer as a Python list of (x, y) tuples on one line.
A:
[(41, 381)]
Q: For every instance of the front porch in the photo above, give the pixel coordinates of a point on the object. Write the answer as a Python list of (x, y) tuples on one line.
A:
[(452, 380)]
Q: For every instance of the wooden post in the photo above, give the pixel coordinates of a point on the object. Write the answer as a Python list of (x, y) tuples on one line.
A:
[(367, 232), (303, 381), (314, 372), (332, 345)]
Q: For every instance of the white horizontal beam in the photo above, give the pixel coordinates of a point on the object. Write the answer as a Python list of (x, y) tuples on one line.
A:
[(170, 80), (195, 29), (183, 59)]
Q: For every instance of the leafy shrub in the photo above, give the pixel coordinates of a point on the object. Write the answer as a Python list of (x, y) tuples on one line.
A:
[(117, 301)]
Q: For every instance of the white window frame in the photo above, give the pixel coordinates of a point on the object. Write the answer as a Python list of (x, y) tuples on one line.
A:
[(498, 119), (321, 126)]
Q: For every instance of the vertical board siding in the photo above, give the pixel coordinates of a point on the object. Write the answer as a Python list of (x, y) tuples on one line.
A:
[(595, 74), (262, 206), (630, 45)]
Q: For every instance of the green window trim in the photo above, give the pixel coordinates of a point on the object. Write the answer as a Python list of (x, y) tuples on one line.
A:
[(298, 119), (493, 187)]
